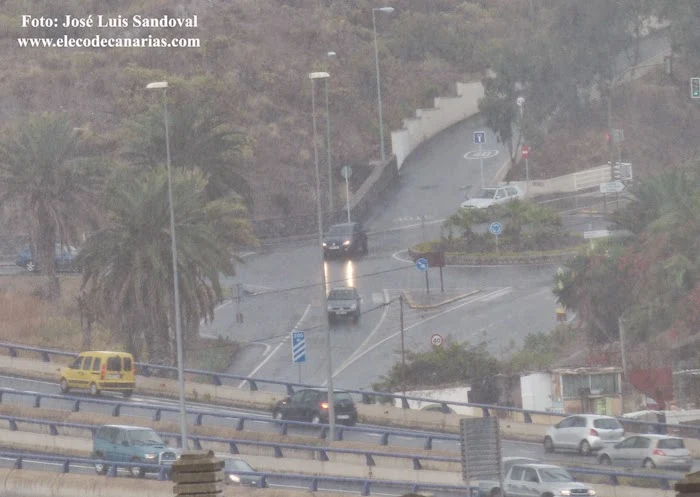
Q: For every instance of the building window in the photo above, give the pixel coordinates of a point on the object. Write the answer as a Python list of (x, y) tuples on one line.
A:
[(599, 384)]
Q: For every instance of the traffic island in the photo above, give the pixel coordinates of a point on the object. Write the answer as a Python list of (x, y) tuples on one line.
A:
[(423, 300)]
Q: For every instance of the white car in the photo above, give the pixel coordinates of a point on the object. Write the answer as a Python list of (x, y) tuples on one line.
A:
[(585, 433), (486, 197)]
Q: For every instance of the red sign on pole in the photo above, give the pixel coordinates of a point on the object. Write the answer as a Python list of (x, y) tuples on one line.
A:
[(525, 151)]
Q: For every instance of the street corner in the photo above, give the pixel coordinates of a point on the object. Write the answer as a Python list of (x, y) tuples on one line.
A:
[(422, 300)]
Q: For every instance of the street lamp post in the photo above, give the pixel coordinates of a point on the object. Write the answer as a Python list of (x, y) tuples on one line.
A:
[(328, 147), (324, 303), (521, 104), (163, 85), (379, 89)]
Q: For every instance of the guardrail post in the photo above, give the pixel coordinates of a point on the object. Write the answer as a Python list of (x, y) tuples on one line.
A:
[(414, 489), (37, 401), (613, 480), (262, 483), (198, 419), (416, 465), (404, 403), (112, 471), (197, 444), (76, 406), (384, 440), (241, 424), (665, 484), (278, 452), (428, 443), (323, 455), (369, 460), (485, 411), (179, 441), (290, 390), (1, 397), (45, 356), (117, 410), (366, 398), (444, 408), (339, 433), (365, 488), (283, 429), (18, 463), (528, 418), (13, 424), (13, 352), (145, 371), (324, 431), (233, 448), (253, 387), (162, 474), (156, 415), (66, 466), (313, 486), (53, 430), (216, 380)]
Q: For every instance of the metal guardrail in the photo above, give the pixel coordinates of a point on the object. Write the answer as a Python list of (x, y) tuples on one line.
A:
[(367, 396)]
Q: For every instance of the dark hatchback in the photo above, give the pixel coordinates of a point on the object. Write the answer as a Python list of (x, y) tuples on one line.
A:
[(235, 470), (345, 239), (311, 405)]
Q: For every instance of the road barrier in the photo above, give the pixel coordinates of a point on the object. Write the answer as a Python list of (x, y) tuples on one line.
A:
[(368, 397)]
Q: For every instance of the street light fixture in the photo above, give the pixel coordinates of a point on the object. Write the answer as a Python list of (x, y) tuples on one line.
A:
[(387, 10), (163, 85), (324, 302)]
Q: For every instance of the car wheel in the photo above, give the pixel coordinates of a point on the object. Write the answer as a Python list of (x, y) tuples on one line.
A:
[(584, 448), (127, 393), (352, 422), (31, 267), (496, 492), (94, 391), (649, 464), (279, 415), (316, 419), (64, 386), (137, 471), (100, 468), (605, 460), (548, 445)]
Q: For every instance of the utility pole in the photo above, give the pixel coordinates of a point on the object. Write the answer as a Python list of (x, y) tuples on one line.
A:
[(403, 350), (621, 327)]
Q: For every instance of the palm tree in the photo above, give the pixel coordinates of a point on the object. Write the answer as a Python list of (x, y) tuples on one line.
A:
[(127, 265), (200, 136), (46, 172)]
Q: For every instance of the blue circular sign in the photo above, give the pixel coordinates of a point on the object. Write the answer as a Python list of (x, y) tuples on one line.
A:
[(496, 228), (422, 264)]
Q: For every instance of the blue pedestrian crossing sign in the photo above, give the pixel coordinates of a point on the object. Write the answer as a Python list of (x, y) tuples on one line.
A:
[(298, 347), (479, 137)]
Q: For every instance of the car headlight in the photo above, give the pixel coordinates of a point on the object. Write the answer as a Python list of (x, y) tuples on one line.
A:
[(150, 456), (235, 478), (591, 492), (346, 243), (325, 244), (565, 492)]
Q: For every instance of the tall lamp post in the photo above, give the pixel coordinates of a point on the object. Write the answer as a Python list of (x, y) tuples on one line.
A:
[(328, 147), (379, 86), (324, 303), (163, 85)]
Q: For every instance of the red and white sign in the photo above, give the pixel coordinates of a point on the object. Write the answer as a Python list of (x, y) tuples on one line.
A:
[(525, 151)]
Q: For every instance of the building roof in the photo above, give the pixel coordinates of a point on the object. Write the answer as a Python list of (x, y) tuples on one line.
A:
[(587, 370)]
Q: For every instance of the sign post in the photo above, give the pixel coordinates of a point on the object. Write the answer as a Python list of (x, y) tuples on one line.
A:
[(422, 265), (496, 229), (525, 152), (298, 349), (480, 139)]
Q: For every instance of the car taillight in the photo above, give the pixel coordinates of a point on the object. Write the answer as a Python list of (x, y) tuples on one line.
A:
[(324, 405), (594, 432), (103, 371), (658, 452)]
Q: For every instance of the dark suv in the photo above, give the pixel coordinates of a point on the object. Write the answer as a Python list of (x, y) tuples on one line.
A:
[(345, 239), (311, 405)]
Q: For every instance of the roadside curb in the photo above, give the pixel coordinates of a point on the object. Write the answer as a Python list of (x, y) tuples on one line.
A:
[(414, 305)]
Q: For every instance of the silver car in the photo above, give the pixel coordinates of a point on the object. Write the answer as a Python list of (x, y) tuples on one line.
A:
[(585, 433), (649, 451), (490, 196)]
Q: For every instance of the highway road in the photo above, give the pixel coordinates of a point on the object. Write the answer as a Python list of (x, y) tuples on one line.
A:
[(510, 447)]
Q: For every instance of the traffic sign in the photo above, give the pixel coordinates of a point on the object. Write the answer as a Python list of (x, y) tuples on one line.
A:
[(587, 235), (496, 228), (479, 137), (612, 187), (422, 264), (618, 135), (298, 347), (346, 172), (525, 151), (436, 340)]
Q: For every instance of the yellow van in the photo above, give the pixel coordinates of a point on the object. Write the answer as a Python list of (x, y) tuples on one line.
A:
[(99, 370)]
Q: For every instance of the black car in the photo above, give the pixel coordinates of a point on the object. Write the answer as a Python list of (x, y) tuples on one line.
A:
[(235, 470), (345, 239), (311, 405)]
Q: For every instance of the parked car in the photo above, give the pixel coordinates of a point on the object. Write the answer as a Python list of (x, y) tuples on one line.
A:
[(535, 480), (99, 371), (344, 301), (649, 451), (63, 257), (311, 405), (131, 444), (488, 197), (585, 433), (345, 239), (233, 467), (437, 408)]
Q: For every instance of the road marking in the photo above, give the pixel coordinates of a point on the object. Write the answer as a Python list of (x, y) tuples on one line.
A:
[(395, 255), (349, 360), (394, 335), (378, 298), (286, 339), (505, 291), (407, 227)]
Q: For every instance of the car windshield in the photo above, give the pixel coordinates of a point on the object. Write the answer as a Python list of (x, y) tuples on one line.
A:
[(486, 193), (671, 443), (341, 295), (607, 424), (238, 465), (555, 474), (340, 230), (145, 437), (339, 396)]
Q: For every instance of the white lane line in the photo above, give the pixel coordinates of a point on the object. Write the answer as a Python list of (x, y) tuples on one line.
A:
[(395, 255), (501, 291), (505, 292), (407, 227), (365, 341), (274, 351)]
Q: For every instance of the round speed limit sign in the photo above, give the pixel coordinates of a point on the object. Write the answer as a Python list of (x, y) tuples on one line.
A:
[(436, 340)]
